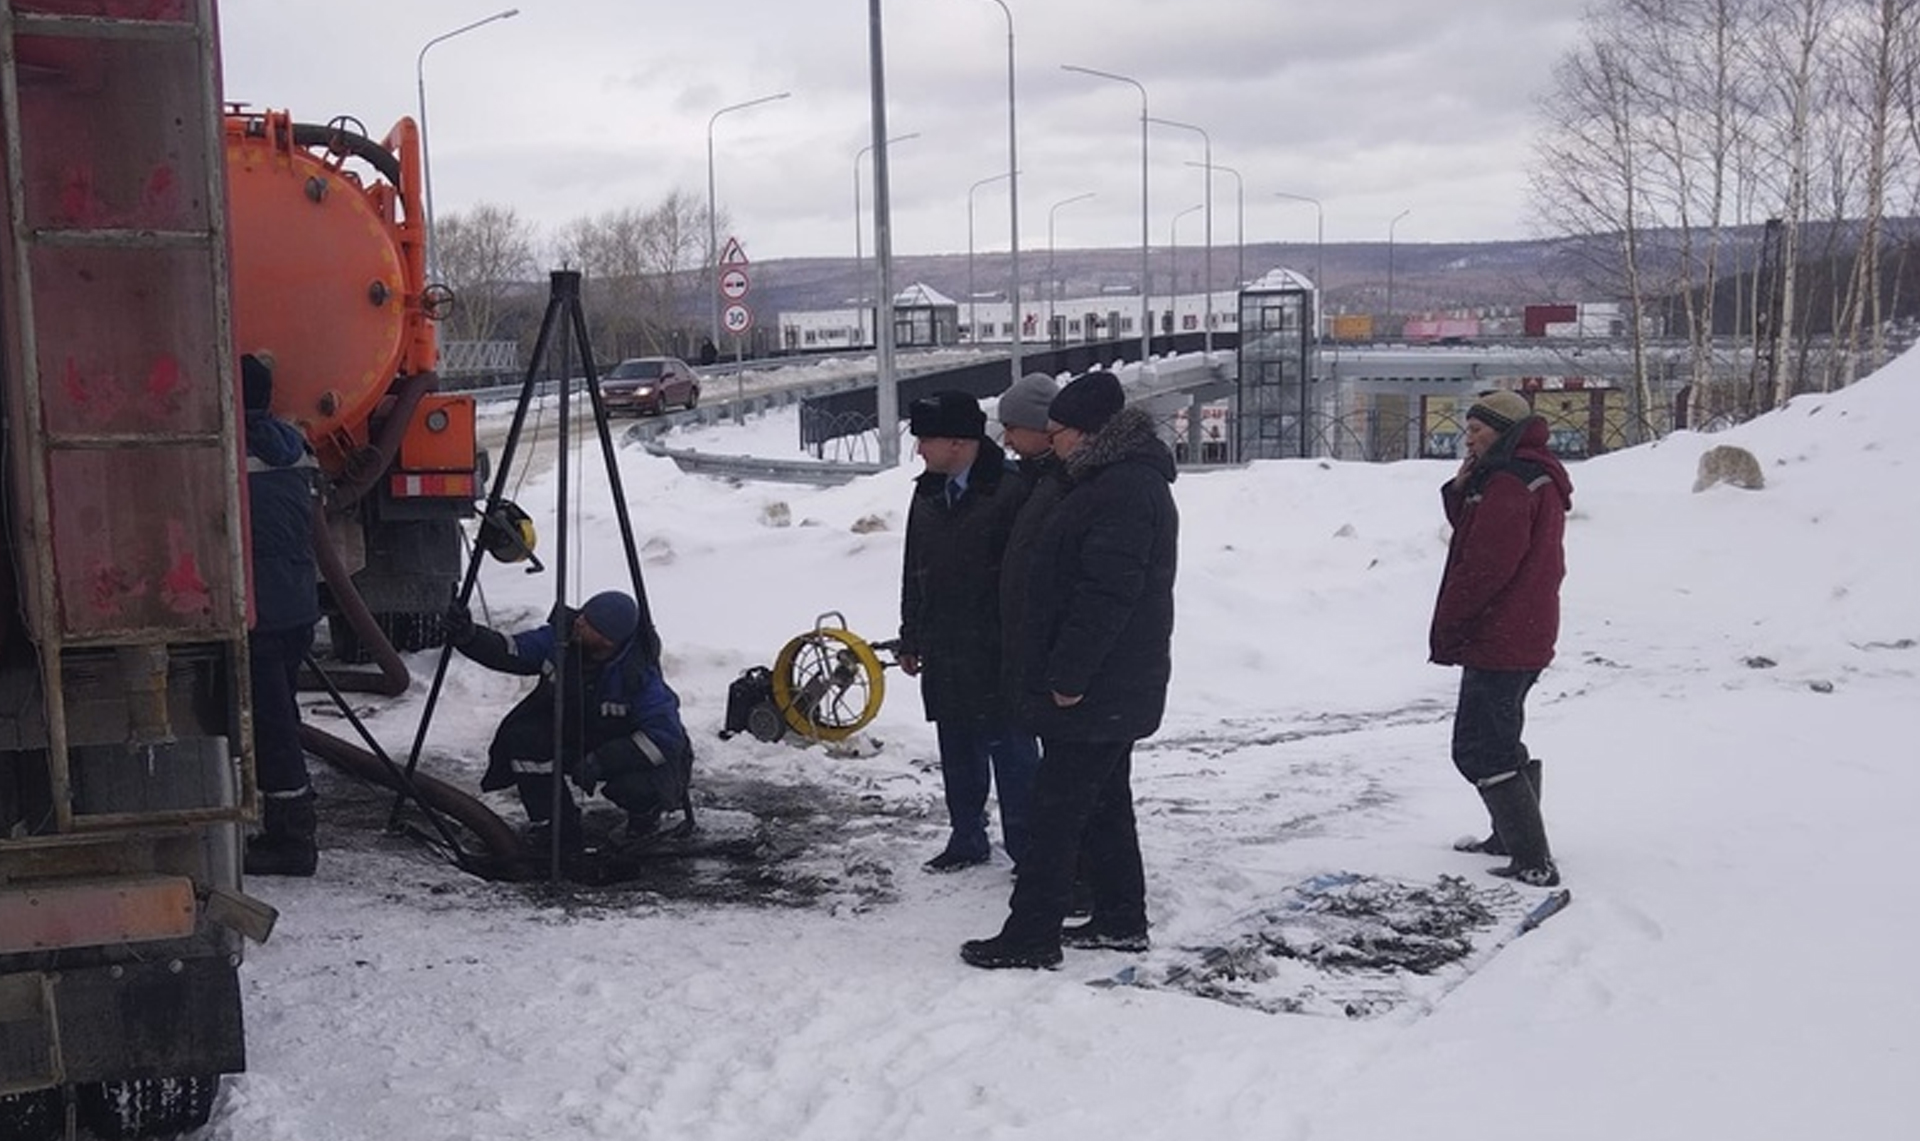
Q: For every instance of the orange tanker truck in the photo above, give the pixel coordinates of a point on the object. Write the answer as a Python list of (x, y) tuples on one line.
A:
[(329, 276)]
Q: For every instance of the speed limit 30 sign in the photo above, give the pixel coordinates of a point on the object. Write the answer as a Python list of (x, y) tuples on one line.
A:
[(737, 318)]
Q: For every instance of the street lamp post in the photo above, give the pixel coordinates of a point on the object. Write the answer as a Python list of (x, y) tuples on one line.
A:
[(1207, 141), (973, 326), (1053, 286), (1013, 191), (1240, 222), (713, 233), (886, 384), (859, 273), (1390, 226), (1146, 268), (1319, 251), (420, 80), (1173, 270)]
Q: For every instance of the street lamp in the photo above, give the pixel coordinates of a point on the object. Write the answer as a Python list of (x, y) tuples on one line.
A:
[(1146, 268), (713, 235), (1319, 251), (1053, 286), (1390, 226), (420, 79), (1173, 269), (1240, 223), (973, 326), (1208, 141), (859, 301), (1013, 192)]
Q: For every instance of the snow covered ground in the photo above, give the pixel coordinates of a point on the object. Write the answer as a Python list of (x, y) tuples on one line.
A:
[(1731, 781)]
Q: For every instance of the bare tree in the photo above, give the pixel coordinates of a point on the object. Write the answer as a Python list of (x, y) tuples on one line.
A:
[(1588, 180), (485, 255), (1675, 125), (643, 270), (1880, 50)]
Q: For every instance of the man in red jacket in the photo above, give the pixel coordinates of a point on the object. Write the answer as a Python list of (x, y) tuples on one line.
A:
[(1498, 615)]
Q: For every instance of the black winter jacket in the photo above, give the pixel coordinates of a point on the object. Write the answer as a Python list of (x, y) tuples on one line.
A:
[(282, 481), (950, 591), (1047, 480), (1100, 602)]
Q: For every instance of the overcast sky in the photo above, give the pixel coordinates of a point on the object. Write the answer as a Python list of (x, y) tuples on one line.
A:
[(575, 107)]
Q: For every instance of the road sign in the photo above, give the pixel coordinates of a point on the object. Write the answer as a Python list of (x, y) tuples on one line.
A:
[(732, 255), (737, 318), (733, 284)]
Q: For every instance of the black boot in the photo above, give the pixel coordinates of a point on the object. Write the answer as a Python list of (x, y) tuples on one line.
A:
[(1493, 845), (1001, 953), (285, 845), (1515, 809)]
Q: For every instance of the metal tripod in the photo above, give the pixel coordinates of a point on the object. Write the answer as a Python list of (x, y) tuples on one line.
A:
[(563, 331)]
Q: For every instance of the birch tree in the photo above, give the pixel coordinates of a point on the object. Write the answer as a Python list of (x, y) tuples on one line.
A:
[(486, 254)]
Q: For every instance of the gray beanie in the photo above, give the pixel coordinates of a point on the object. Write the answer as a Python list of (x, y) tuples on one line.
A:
[(1024, 404)]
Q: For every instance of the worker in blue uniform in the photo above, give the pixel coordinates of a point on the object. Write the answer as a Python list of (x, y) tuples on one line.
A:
[(623, 734)]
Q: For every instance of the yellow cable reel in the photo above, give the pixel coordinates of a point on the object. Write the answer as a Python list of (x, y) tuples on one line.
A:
[(828, 682)]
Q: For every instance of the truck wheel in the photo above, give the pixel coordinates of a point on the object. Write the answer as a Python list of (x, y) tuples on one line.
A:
[(146, 1107), (410, 632), (37, 1116)]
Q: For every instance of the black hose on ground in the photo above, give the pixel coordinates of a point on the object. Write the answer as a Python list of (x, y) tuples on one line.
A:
[(501, 844)]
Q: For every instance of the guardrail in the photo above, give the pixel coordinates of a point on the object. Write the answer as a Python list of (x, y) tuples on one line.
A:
[(810, 472)]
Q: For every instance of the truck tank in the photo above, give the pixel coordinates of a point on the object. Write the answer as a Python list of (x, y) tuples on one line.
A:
[(329, 278)]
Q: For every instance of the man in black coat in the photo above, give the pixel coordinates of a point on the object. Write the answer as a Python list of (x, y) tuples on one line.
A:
[(282, 481), (957, 527), (1098, 647), (1023, 424)]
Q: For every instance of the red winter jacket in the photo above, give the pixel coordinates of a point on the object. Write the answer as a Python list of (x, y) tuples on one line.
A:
[(1499, 604)]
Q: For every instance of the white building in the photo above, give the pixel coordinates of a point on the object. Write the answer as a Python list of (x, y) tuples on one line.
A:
[(919, 313)]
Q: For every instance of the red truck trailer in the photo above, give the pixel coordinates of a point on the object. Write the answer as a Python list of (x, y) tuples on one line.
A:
[(125, 740)]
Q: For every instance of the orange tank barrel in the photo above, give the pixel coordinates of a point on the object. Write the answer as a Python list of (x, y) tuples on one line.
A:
[(327, 275)]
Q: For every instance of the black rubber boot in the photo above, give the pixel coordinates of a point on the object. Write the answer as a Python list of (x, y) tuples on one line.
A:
[(1493, 845), (285, 845), (1515, 809)]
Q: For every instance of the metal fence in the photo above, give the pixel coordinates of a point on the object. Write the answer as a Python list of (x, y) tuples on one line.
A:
[(1383, 432)]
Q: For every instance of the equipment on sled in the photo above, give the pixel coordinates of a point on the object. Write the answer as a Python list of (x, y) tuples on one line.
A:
[(825, 685)]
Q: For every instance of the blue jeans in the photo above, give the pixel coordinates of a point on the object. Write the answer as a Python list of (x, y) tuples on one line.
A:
[(974, 757)]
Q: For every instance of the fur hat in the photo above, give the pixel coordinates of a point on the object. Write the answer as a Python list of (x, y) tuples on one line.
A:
[(1024, 405), (614, 614), (256, 383), (947, 415), (1088, 402), (1500, 409)]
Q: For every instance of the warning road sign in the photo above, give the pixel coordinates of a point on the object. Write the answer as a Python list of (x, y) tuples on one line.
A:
[(732, 255), (737, 318), (733, 284)]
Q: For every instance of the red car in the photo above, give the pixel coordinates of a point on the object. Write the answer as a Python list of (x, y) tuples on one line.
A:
[(648, 386)]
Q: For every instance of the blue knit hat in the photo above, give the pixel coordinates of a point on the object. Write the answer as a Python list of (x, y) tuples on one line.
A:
[(614, 614)]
